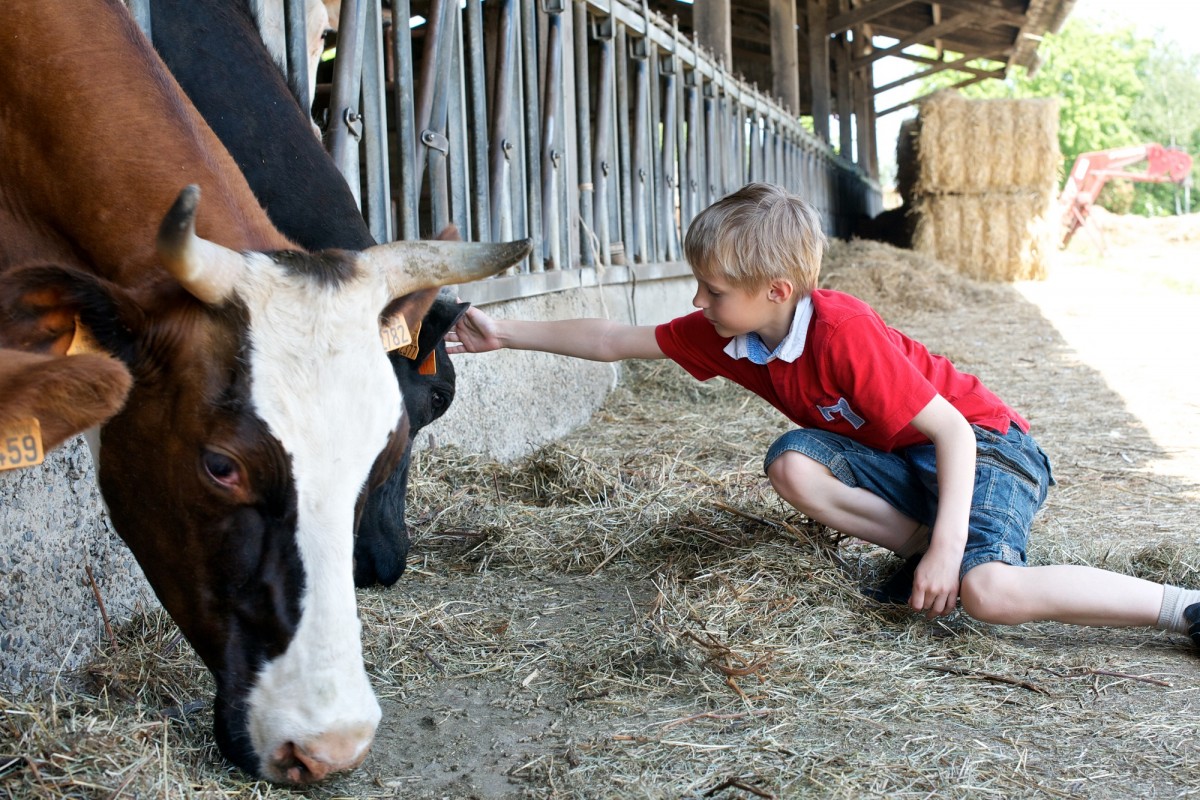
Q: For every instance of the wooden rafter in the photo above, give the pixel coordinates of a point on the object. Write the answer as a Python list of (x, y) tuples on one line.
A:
[(959, 85), (862, 14), (921, 37), (992, 13)]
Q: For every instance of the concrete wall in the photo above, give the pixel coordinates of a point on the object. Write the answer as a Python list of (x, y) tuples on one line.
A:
[(53, 523)]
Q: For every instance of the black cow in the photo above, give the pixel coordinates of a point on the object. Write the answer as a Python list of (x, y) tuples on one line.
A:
[(215, 51)]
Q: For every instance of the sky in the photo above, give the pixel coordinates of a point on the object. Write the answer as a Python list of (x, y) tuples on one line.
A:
[(1170, 19)]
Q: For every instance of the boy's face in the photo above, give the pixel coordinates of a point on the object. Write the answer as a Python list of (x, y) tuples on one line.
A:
[(734, 311)]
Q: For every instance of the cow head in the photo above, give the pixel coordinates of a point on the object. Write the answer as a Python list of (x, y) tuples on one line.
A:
[(427, 376), (262, 399)]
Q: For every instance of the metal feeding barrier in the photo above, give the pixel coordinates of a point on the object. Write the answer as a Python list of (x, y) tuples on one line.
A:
[(593, 127)]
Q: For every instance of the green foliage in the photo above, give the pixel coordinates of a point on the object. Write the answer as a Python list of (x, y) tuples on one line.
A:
[(1114, 89)]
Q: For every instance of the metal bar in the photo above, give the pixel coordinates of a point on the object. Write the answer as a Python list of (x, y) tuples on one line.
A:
[(407, 194), (551, 156), (640, 176), (500, 153), (583, 104), (667, 159), (379, 194), (432, 80), (533, 132), (481, 217), (345, 120), (456, 133), (602, 165), (140, 10), (433, 134), (623, 143), (295, 27)]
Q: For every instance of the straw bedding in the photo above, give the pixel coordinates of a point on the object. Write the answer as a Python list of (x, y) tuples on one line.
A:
[(631, 612)]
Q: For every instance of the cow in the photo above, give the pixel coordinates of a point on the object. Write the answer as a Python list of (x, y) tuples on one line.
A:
[(214, 50), (260, 402)]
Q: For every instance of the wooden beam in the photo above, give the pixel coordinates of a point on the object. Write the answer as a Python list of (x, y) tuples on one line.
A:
[(959, 85), (844, 105), (818, 65), (862, 14), (867, 155), (921, 37), (785, 57), (959, 65), (713, 31), (993, 14)]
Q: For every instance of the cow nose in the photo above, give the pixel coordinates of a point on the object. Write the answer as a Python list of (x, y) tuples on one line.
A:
[(316, 759)]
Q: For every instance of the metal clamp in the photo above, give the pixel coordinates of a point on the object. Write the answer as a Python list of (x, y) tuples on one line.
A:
[(435, 141)]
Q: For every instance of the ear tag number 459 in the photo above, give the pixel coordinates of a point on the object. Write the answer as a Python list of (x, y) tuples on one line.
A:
[(21, 445)]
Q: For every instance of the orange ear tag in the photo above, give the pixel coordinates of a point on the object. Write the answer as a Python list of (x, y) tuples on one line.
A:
[(429, 365), (394, 333), (21, 445)]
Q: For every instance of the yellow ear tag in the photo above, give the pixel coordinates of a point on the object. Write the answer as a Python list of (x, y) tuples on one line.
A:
[(21, 445), (409, 351), (394, 333)]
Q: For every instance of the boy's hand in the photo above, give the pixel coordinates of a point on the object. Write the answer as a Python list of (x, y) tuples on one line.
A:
[(935, 584), (475, 332)]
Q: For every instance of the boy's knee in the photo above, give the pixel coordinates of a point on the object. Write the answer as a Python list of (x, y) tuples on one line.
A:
[(987, 595), (794, 477)]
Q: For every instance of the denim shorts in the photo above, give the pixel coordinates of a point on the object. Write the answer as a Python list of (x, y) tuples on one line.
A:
[(1012, 476)]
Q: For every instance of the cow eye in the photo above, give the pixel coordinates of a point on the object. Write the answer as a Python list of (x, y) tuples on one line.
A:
[(439, 401), (221, 469)]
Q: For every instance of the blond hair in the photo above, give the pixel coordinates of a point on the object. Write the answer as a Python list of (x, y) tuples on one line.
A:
[(756, 235)]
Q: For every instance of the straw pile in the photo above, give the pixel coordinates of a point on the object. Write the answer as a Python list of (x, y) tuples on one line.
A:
[(632, 612), (980, 176)]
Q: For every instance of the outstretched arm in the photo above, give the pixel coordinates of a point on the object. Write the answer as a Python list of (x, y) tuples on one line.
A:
[(935, 584), (593, 339)]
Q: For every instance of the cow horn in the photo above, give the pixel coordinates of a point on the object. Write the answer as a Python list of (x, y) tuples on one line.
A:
[(207, 270), (411, 266)]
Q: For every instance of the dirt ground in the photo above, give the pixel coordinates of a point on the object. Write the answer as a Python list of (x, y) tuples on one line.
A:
[(585, 636), (1104, 353)]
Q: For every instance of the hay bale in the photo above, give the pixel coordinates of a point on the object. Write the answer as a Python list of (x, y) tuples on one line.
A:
[(985, 179), (974, 146), (991, 237), (907, 159)]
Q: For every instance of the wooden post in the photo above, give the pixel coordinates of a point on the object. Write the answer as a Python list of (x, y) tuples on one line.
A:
[(867, 156), (713, 30), (785, 61), (845, 105), (818, 50)]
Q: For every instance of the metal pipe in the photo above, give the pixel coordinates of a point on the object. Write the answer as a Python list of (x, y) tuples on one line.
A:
[(407, 194), (500, 155), (379, 194), (533, 134), (551, 156), (623, 143), (602, 165), (640, 176), (583, 106), (295, 26), (481, 216), (345, 120)]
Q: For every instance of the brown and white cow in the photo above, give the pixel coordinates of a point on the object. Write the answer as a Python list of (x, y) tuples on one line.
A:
[(261, 399)]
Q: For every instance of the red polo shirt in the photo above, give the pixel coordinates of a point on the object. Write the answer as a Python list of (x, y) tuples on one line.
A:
[(856, 377)]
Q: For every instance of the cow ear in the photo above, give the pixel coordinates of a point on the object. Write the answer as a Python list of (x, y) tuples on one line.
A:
[(412, 307), (443, 315), (66, 395), (39, 306)]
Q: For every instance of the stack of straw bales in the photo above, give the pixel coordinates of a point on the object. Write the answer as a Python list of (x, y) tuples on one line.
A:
[(980, 176)]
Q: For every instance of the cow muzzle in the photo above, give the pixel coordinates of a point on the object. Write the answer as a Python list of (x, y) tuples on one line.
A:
[(321, 756)]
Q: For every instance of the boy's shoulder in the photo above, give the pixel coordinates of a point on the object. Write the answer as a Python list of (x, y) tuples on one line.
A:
[(833, 307)]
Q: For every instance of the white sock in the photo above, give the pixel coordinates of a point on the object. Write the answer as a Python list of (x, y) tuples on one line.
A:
[(917, 543), (1175, 600)]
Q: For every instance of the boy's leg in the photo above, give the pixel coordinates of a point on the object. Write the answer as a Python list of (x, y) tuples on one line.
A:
[(812, 489), (1004, 594), (854, 489)]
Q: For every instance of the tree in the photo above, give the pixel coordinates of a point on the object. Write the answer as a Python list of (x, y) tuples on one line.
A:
[(1114, 89)]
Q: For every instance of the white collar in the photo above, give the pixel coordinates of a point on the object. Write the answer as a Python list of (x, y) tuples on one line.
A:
[(791, 348)]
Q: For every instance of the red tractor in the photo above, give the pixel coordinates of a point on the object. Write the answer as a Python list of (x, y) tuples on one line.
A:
[(1092, 170)]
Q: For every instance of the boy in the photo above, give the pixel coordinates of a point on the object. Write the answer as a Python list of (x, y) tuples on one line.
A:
[(897, 447)]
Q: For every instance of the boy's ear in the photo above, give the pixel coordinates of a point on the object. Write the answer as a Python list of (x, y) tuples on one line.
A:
[(780, 290)]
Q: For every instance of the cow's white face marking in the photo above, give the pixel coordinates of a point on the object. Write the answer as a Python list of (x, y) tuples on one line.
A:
[(321, 381)]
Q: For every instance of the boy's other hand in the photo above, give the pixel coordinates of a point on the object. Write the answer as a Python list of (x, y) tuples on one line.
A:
[(475, 332), (935, 584)]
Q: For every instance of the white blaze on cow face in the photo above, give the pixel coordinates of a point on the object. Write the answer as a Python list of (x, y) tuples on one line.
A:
[(322, 383)]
